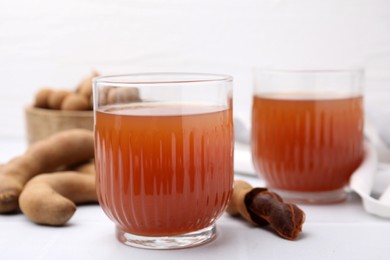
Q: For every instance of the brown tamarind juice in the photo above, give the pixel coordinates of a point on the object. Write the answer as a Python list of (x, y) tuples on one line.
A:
[(164, 169), (302, 143)]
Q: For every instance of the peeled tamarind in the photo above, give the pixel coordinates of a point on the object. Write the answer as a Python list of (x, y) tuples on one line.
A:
[(263, 207)]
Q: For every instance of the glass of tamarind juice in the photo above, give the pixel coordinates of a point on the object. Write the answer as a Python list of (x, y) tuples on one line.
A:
[(164, 155), (307, 132)]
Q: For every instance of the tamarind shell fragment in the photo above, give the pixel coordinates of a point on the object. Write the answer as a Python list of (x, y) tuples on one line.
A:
[(236, 204)]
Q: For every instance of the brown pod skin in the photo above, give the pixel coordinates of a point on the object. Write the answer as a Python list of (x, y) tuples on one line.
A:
[(57, 97), (85, 86), (86, 167), (122, 95), (236, 204), (75, 102), (51, 199), (42, 98)]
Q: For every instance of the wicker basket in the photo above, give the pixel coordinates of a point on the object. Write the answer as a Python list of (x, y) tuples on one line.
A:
[(41, 123)]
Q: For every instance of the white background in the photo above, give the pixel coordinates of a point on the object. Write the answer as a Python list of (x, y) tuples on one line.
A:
[(55, 43)]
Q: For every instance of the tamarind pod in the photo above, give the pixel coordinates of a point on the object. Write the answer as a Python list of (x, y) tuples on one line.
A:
[(61, 149), (268, 207), (122, 95), (50, 199), (262, 207), (42, 98), (86, 167), (74, 102), (85, 86), (56, 98)]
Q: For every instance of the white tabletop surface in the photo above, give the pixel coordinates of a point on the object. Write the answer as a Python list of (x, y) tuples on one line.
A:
[(338, 231)]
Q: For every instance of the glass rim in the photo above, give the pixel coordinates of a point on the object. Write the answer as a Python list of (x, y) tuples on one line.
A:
[(174, 78)]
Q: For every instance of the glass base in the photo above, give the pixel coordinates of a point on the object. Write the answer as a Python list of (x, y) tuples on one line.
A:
[(191, 239), (322, 197)]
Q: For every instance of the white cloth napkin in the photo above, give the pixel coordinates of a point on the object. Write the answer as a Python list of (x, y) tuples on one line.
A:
[(372, 182)]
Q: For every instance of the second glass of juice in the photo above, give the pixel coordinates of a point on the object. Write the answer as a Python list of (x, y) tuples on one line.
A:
[(164, 155), (307, 132)]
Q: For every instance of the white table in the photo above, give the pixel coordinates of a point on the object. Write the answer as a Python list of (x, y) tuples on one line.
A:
[(338, 231)]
